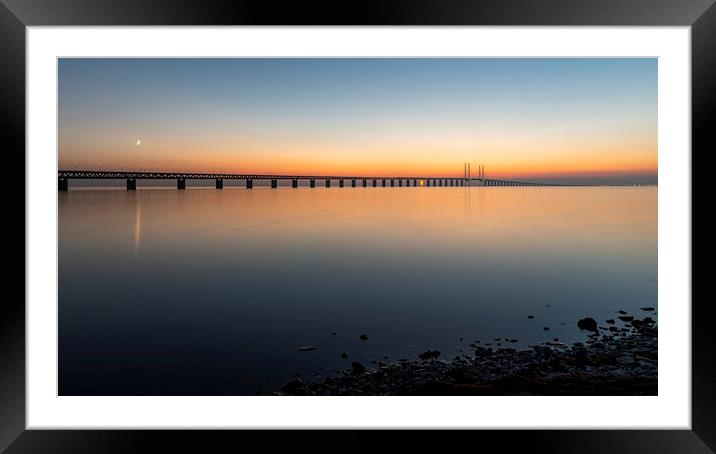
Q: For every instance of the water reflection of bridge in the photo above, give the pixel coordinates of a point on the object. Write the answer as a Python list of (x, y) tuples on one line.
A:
[(64, 176)]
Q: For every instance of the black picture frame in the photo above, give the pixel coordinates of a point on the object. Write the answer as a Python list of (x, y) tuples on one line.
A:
[(15, 15)]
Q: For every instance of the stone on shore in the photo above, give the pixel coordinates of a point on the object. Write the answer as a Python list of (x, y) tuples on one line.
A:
[(587, 324), (357, 369), (429, 354), (294, 386)]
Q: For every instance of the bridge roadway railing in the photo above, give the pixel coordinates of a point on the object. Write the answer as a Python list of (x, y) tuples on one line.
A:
[(131, 177)]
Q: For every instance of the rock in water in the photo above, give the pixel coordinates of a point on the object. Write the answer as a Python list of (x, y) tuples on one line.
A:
[(626, 318), (344, 355), (363, 337), (648, 309), (429, 354), (294, 386), (307, 348), (530, 316), (610, 321), (357, 369), (587, 324)]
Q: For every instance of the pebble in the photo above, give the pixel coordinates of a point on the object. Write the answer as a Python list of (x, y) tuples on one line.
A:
[(294, 386), (587, 324), (357, 369), (429, 354)]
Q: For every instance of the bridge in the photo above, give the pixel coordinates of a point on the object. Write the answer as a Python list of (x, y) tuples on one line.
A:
[(64, 177)]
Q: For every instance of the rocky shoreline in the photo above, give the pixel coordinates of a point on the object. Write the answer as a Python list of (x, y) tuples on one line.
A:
[(613, 360)]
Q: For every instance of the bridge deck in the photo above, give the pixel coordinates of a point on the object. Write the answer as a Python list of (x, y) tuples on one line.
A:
[(64, 175)]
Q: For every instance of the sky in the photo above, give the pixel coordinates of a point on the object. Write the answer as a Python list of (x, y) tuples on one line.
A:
[(567, 120)]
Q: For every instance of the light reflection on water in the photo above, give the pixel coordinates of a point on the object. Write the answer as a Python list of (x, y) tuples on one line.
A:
[(212, 292)]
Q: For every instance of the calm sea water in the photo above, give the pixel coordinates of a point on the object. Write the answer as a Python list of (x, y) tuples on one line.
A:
[(206, 292)]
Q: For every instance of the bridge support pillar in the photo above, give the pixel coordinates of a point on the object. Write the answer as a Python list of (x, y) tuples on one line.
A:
[(63, 184), (392, 183), (131, 184), (365, 183), (181, 183), (219, 183), (400, 182), (353, 182), (312, 182), (415, 182), (328, 183), (294, 183), (383, 182), (274, 183), (249, 183), (375, 182), (340, 183)]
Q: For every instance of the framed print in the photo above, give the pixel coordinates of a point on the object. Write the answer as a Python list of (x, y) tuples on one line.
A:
[(424, 216)]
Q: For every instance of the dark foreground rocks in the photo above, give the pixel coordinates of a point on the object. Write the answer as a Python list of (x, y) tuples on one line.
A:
[(622, 361)]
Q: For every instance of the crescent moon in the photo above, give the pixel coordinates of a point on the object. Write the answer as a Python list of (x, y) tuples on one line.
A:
[(139, 142)]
